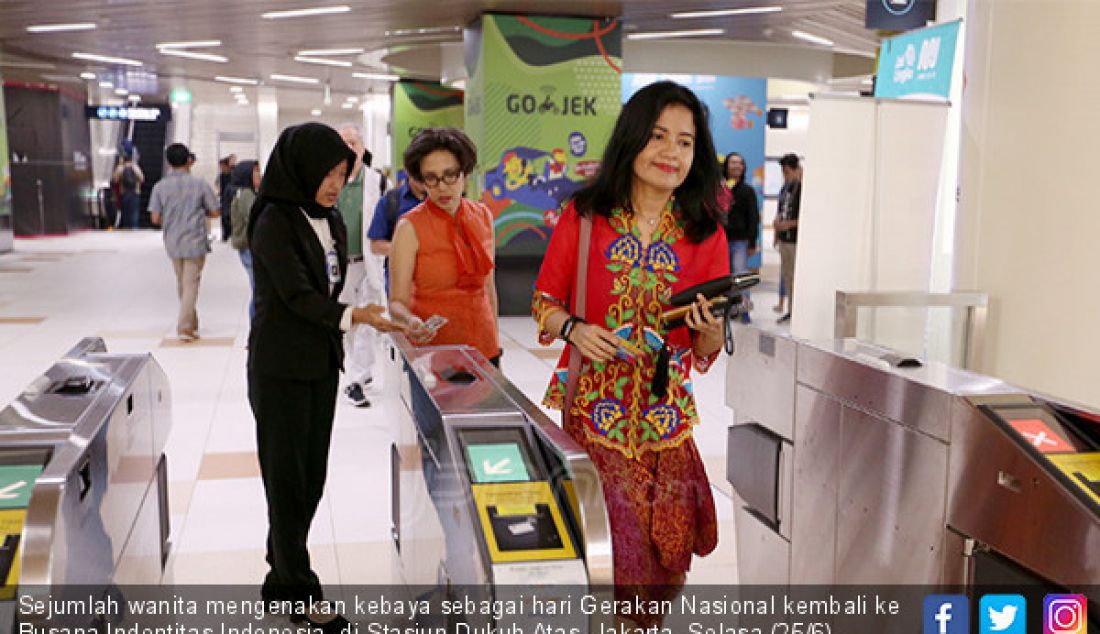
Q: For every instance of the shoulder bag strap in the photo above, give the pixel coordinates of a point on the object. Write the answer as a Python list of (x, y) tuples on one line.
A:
[(579, 296)]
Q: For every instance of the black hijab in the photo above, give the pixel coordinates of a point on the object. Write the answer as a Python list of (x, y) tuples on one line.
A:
[(299, 162), (241, 177)]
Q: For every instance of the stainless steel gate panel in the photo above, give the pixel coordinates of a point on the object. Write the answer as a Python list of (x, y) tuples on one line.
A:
[(761, 384), (816, 462), (761, 550), (891, 502), (1003, 495)]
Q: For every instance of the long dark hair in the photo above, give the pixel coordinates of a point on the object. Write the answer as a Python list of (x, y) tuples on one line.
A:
[(697, 196), (726, 167)]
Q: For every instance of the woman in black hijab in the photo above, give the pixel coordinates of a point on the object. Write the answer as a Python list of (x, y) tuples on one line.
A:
[(299, 248)]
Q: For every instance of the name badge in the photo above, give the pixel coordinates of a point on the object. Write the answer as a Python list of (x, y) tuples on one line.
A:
[(333, 263)]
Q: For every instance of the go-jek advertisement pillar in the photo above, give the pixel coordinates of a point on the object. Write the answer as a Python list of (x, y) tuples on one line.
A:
[(542, 97), (418, 105)]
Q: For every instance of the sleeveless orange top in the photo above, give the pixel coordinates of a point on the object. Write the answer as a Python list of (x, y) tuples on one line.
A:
[(453, 264)]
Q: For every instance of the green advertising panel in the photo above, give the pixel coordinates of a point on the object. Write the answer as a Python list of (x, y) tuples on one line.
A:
[(542, 97), (418, 105)]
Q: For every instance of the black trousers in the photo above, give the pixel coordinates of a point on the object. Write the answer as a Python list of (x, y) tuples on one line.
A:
[(293, 432)]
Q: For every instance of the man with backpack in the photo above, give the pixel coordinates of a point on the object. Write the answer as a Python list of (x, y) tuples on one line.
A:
[(129, 178), (396, 203)]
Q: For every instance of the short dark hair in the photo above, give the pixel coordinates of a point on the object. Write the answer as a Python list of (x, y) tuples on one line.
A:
[(789, 161), (177, 154), (697, 196), (429, 140)]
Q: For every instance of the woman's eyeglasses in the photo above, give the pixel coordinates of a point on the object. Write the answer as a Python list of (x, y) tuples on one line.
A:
[(450, 177)]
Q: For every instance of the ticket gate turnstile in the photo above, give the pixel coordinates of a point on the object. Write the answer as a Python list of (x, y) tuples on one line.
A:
[(83, 479), (487, 491), (855, 465)]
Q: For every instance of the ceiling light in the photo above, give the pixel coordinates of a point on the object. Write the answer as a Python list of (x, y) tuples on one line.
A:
[(424, 31), (816, 39), (191, 44), (660, 35), (347, 105), (237, 80), (54, 28), (106, 84), (107, 59), (352, 99), (332, 51), (295, 79), (316, 112), (121, 92), (206, 57), (236, 89), (378, 76), (87, 75), (134, 98), (322, 60), (724, 12), (299, 13)]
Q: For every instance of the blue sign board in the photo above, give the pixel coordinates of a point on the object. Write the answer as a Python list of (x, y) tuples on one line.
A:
[(918, 63), (738, 117)]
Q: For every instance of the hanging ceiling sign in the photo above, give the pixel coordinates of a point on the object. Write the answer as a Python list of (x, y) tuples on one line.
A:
[(899, 15), (918, 64), (128, 113)]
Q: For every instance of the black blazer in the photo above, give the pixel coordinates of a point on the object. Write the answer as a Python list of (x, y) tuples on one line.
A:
[(296, 331)]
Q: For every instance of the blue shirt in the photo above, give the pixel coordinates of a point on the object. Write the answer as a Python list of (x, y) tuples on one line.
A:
[(380, 226)]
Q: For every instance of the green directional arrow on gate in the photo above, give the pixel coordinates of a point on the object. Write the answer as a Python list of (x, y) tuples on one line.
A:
[(500, 462), (16, 483)]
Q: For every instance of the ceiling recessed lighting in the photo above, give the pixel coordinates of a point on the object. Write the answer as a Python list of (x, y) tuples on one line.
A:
[(352, 98), (424, 31), (332, 51), (347, 105), (316, 112), (191, 44), (236, 80), (121, 92), (206, 57), (660, 35), (106, 84), (301, 13), (294, 78), (718, 13), (236, 89), (87, 75), (321, 60), (106, 59), (134, 98), (54, 28), (809, 37), (378, 76)]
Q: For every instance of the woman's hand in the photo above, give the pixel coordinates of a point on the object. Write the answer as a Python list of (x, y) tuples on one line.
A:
[(418, 332), (371, 315), (702, 320), (595, 343)]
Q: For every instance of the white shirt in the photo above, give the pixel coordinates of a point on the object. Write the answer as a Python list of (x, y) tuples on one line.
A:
[(332, 266)]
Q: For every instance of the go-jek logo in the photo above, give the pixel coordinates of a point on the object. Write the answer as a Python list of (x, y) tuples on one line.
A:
[(1003, 614), (946, 614)]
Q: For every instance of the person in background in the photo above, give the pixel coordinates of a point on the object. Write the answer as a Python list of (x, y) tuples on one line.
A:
[(245, 184), (129, 177), (360, 194), (655, 231), (742, 221), (225, 193), (180, 203), (390, 208), (786, 225), (443, 249), (299, 249)]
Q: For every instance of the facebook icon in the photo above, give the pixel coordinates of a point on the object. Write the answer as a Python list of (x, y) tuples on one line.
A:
[(946, 614)]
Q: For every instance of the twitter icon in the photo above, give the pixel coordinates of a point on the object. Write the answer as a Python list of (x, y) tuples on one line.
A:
[(1003, 614)]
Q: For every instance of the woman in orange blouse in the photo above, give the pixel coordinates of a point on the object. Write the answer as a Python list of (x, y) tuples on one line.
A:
[(654, 232), (442, 257)]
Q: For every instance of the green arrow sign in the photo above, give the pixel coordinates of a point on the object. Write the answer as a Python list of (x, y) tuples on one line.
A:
[(16, 482), (501, 462)]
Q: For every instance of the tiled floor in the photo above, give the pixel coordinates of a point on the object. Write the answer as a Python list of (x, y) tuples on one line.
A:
[(120, 286)]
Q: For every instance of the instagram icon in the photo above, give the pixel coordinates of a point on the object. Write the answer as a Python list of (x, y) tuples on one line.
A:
[(1065, 614)]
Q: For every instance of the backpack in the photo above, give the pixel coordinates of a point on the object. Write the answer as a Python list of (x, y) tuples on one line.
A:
[(129, 179), (393, 209)]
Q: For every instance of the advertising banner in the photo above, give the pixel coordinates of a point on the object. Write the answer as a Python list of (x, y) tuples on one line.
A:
[(918, 64), (738, 118), (418, 105), (542, 97)]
